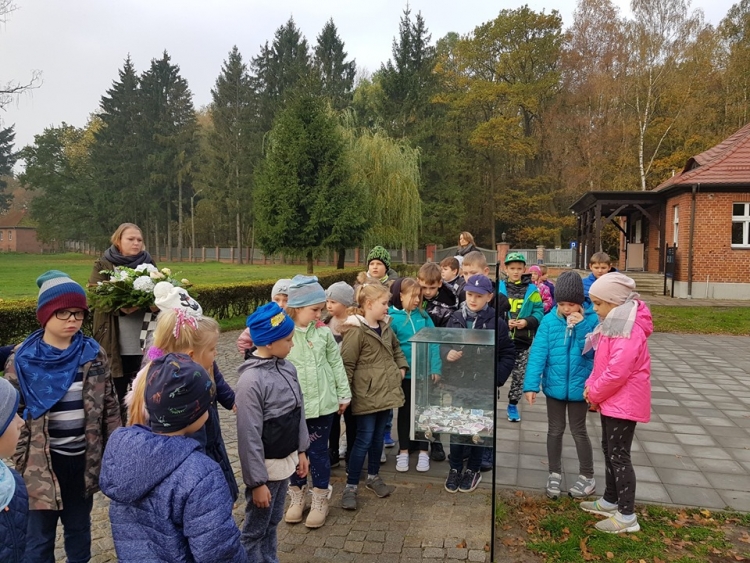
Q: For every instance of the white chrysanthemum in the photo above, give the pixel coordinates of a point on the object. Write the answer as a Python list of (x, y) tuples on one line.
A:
[(122, 275), (156, 275), (166, 271), (145, 268), (144, 283)]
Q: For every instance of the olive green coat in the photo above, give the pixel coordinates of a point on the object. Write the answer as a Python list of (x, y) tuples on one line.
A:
[(372, 364), (106, 329)]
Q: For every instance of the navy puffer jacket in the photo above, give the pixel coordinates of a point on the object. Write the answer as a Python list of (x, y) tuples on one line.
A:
[(170, 502), (13, 524)]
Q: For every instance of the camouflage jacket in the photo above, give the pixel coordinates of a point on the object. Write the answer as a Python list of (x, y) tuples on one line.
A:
[(33, 459)]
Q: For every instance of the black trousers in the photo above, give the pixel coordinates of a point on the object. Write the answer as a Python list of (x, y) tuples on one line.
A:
[(617, 438)]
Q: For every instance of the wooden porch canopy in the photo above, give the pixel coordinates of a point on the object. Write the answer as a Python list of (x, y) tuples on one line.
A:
[(595, 209)]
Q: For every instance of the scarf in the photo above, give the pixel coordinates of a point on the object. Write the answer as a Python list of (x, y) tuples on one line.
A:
[(617, 324), (7, 486), (45, 373), (470, 315), (115, 257)]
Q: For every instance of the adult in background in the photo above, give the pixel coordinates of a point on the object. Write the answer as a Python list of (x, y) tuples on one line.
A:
[(119, 332), (466, 243)]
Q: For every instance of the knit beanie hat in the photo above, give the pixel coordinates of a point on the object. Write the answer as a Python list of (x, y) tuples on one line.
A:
[(534, 269), (304, 291), (613, 287), (341, 292), (57, 291), (379, 253), (569, 288), (168, 297), (281, 286), (268, 324), (9, 399), (178, 392)]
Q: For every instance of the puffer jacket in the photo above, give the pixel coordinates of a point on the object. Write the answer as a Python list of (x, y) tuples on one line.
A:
[(33, 459), (407, 324), (13, 524), (372, 364), (556, 359), (320, 371), (620, 382), (177, 510)]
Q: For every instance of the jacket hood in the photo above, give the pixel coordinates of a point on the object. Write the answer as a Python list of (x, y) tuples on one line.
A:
[(128, 470), (643, 318)]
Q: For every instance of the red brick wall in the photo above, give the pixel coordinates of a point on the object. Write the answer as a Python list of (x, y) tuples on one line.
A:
[(22, 240), (713, 253)]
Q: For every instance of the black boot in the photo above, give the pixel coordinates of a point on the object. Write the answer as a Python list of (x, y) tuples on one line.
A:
[(436, 452)]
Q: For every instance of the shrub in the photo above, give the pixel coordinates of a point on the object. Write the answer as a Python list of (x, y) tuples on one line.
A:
[(222, 301)]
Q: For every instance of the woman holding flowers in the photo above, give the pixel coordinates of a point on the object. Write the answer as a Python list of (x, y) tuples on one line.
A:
[(118, 330)]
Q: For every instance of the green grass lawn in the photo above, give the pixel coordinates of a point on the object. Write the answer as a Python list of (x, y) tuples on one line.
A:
[(561, 531), (733, 321), (19, 271)]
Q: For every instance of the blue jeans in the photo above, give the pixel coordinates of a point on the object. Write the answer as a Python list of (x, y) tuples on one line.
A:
[(389, 424), (369, 442), (259, 530), (319, 430), (75, 515), (457, 456)]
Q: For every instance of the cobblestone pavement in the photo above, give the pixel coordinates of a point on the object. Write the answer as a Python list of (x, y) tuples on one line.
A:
[(696, 451)]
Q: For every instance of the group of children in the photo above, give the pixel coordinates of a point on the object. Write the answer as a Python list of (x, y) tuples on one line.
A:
[(167, 473)]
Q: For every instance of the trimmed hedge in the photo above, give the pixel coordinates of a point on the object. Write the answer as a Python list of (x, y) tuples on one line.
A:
[(223, 301)]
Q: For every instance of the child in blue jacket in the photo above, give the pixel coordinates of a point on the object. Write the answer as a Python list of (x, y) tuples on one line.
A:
[(558, 365), (14, 500), (407, 319)]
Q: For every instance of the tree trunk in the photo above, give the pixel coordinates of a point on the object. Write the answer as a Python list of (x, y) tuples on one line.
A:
[(179, 221), (309, 262), (169, 233), (340, 258), (252, 242), (239, 236)]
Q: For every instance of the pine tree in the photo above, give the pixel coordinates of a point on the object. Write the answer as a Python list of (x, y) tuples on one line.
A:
[(7, 160), (234, 140), (305, 201), (278, 70), (117, 154), (169, 132), (335, 73)]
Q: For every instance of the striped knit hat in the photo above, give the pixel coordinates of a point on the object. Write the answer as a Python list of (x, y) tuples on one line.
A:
[(57, 291)]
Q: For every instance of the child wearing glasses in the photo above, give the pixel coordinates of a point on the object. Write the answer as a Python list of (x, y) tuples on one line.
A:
[(69, 408)]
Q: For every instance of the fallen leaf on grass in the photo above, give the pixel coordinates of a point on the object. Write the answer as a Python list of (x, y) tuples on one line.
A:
[(745, 537), (706, 513), (610, 555), (585, 553)]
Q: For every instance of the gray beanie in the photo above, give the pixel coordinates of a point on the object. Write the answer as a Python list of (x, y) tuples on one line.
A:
[(9, 399), (281, 286), (305, 291), (341, 292), (569, 288)]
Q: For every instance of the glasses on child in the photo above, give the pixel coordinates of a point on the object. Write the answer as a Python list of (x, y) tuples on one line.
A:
[(65, 315)]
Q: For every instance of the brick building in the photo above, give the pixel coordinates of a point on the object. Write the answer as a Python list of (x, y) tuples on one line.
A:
[(17, 235), (703, 213)]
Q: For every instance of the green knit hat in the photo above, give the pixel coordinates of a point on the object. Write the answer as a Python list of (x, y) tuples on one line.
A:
[(380, 253)]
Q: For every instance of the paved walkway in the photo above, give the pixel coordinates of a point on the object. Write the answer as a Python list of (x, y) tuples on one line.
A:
[(696, 451)]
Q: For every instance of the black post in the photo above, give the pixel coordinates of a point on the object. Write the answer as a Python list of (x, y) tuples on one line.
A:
[(493, 504)]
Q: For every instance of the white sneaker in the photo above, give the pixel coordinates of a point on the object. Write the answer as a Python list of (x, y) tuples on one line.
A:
[(402, 462), (423, 464)]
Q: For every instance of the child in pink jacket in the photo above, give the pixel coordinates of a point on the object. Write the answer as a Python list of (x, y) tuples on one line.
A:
[(620, 388)]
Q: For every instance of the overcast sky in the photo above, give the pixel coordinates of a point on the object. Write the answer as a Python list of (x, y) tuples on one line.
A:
[(79, 45)]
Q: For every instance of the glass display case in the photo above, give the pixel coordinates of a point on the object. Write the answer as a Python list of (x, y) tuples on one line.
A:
[(463, 401)]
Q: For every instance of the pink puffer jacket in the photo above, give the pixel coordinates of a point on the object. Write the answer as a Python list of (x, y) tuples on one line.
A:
[(620, 382)]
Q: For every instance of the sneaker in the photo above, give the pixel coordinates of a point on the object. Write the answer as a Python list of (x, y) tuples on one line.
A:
[(553, 485), (513, 415), (402, 462), (618, 525), (486, 460), (349, 498), (597, 507), (383, 459), (388, 442), (452, 481), (437, 453), (583, 487), (423, 464), (469, 481), (378, 487)]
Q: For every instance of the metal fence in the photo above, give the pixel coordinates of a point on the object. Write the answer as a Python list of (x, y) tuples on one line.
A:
[(550, 256)]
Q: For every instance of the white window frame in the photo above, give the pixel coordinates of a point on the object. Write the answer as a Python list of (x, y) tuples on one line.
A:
[(745, 220), (676, 225), (10, 235)]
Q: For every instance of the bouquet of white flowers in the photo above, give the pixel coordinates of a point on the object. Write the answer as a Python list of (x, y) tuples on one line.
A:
[(130, 287)]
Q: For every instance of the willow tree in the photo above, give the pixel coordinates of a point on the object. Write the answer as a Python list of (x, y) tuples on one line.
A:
[(387, 170)]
